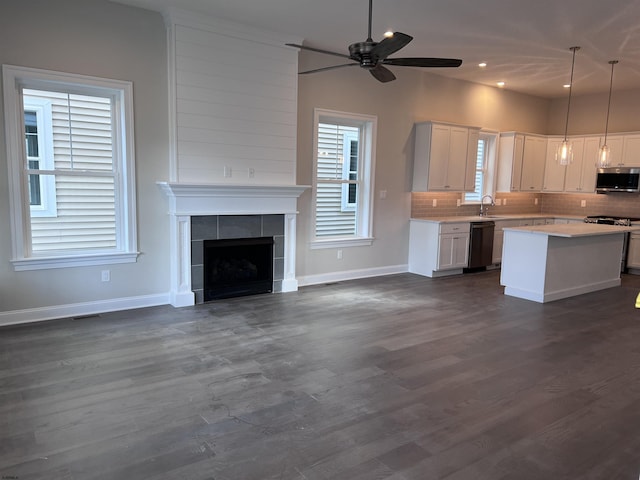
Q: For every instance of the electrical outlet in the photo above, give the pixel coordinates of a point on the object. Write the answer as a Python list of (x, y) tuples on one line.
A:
[(434, 203), (583, 203), (339, 254), (535, 201), (105, 275), (458, 202), (383, 194), (504, 202), (227, 172), (252, 172)]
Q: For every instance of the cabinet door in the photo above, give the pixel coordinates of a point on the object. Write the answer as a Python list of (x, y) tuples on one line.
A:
[(498, 240), (458, 154), (589, 168), (616, 145), (461, 251), (633, 254), (631, 150), (533, 160), (516, 172), (554, 173), (439, 156), (453, 250)]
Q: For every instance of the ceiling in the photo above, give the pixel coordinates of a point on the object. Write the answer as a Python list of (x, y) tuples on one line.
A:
[(525, 44)]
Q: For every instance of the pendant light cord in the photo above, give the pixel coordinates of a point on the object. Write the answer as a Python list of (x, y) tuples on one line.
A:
[(606, 125), (573, 62)]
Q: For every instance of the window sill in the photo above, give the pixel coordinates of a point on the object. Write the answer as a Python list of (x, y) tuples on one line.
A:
[(342, 243), (42, 263)]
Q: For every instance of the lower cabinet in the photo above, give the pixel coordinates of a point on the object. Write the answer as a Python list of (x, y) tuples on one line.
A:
[(498, 238), (438, 249)]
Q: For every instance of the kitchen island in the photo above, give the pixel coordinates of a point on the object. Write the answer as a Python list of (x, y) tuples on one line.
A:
[(543, 263)]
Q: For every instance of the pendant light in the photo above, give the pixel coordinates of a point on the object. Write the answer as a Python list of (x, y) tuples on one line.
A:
[(564, 154), (604, 153)]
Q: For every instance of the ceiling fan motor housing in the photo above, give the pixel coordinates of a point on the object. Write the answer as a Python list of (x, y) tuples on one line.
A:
[(361, 52)]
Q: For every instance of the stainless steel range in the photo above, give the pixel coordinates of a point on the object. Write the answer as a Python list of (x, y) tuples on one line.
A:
[(610, 220)]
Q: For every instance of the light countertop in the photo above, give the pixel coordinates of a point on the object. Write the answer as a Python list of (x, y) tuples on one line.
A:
[(571, 230), (493, 218)]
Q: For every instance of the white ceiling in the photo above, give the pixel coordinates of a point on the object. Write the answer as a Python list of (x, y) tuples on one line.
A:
[(525, 43)]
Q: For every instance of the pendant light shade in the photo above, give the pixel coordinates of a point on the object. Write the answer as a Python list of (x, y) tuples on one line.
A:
[(564, 154), (604, 153)]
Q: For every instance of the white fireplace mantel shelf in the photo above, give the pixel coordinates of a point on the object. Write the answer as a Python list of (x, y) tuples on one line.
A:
[(188, 199), (231, 199)]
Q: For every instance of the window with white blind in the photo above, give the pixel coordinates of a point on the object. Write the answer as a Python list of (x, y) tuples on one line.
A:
[(485, 166), (70, 152), (344, 163)]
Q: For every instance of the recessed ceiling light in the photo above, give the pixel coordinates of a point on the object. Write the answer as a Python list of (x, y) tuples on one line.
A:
[(388, 34), (500, 84), (482, 65)]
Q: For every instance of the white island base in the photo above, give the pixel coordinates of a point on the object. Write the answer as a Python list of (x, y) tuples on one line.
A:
[(549, 262)]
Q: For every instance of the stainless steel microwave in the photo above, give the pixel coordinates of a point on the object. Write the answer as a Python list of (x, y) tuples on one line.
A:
[(618, 179)]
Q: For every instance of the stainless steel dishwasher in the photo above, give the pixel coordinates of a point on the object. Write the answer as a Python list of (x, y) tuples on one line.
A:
[(480, 246)]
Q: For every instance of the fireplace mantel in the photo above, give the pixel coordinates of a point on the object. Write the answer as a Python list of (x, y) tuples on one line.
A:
[(230, 199), (188, 199)]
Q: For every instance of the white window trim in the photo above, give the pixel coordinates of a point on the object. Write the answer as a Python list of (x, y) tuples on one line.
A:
[(42, 109), (348, 137), (367, 147), (14, 80), (491, 166)]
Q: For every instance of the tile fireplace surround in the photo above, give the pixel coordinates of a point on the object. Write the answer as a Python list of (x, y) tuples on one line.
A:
[(187, 200)]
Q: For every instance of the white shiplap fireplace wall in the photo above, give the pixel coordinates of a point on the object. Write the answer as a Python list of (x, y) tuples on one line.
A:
[(233, 113)]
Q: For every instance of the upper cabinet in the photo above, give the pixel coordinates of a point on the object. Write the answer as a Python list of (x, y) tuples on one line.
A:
[(554, 173), (581, 173), (630, 151), (521, 162), (444, 157)]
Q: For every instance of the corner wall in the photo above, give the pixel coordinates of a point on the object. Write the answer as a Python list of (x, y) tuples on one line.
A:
[(104, 39)]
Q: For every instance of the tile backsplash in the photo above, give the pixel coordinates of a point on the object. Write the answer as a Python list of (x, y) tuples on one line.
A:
[(621, 204)]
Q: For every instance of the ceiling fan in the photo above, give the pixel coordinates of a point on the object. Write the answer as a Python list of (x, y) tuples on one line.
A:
[(373, 55)]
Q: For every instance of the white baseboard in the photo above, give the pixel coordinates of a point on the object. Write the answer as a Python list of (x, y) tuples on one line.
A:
[(79, 309), (351, 275)]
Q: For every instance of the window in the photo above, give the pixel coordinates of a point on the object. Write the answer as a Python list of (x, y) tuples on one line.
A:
[(485, 165), (70, 155), (344, 162)]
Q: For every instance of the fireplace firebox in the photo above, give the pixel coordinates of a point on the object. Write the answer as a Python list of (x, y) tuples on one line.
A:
[(237, 267)]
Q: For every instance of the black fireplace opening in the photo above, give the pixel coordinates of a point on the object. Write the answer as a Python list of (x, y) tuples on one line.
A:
[(237, 267)]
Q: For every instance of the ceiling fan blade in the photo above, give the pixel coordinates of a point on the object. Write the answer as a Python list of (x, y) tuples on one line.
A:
[(390, 45), (423, 62), (323, 69), (382, 74), (318, 50)]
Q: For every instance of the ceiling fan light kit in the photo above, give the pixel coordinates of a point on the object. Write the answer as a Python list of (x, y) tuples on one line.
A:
[(564, 154), (372, 55), (604, 153)]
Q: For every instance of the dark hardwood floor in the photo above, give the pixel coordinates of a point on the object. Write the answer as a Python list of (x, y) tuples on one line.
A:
[(398, 377)]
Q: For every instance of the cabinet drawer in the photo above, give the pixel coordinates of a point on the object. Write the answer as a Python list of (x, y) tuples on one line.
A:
[(454, 228)]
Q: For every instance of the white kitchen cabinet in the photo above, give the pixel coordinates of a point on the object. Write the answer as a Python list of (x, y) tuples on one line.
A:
[(616, 146), (521, 162), (438, 249), (554, 173), (633, 252), (630, 151), (533, 160), (442, 155), (581, 174)]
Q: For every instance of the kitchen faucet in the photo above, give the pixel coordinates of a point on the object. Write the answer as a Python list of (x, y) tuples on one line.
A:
[(485, 211)]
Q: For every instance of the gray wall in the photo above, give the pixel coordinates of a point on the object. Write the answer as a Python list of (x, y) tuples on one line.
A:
[(414, 96), (94, 37)]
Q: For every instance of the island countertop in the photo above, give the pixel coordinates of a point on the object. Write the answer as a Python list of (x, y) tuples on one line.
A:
[(571, 230)]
